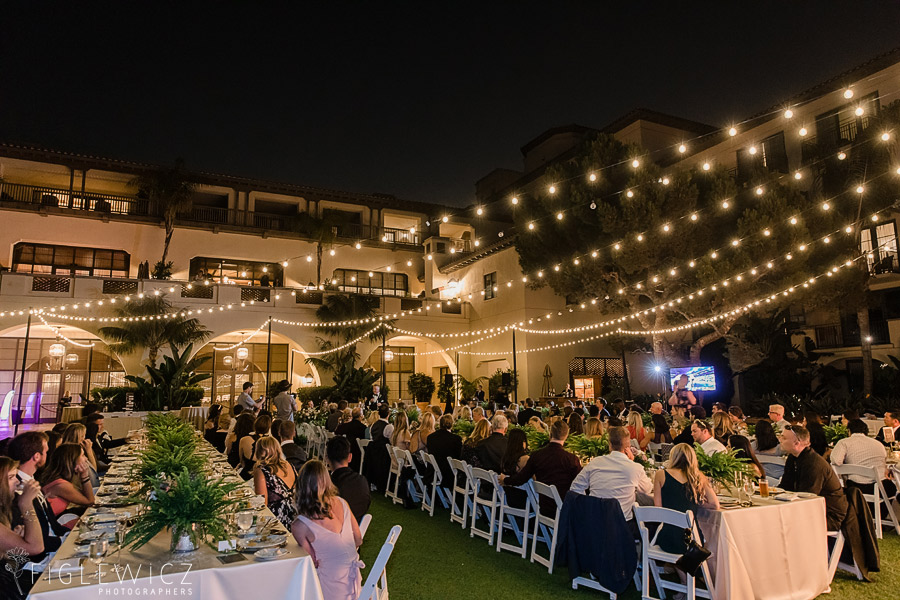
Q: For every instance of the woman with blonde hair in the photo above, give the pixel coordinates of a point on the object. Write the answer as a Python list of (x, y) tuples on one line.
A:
[(636, 429), (538, 424), (328, 531), (469, 453), (401, 437), (67, 463), (76, 433), (681, 486), (419, 439), (275, 480), (25, 535), (723, 426), (593, 428)]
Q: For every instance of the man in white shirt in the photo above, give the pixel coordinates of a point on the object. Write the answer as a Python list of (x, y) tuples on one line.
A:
[(702, 435), (776, 415), (860, 449), (615, 475)]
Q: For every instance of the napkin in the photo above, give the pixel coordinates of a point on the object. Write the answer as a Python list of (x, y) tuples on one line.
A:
[(71, 565), (786, 497)]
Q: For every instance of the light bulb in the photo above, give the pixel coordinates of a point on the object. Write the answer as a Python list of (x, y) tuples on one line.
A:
[(559, 216), (531, 226), (848, 93), (803, 132), (732, 132), (860, 189), (666, 228), (759, 191), (714, 255), (766, 232), (826, 206), (752, 150), (706, 166), (885, 136), (694, 217), (514, 200), (640, 237), (788, 114), (592, 177), (444, 219), (308, 258), (552, 189), (859, 111), (629, 194), (725, 204), (331, 252), (479, 211), (593, 206), (409, 263), (874, 218), (793, 220), (358, 245), (635, 163), (735, 243), (284, 263), (682, 148), (842, 155), (798, 175), (665, 181)]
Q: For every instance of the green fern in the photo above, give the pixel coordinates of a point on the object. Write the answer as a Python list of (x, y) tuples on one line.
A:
[(722, 467)]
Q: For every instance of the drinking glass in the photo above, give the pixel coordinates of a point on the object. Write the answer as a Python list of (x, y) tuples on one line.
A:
[(244, 521), (120, 541), (96, 551)]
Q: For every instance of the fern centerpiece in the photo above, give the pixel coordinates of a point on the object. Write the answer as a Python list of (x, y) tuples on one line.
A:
[(587, 448), (463, 428), (836, 432), (190, 505), (536, 439), (722, 467)]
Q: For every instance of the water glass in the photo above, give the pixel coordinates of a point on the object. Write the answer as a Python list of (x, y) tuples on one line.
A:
[(244, 521)]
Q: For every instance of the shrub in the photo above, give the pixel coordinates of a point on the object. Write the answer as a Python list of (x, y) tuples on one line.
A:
[(316, 394), (114, 397)]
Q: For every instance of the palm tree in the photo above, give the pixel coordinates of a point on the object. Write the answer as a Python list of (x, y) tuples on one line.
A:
[(321, 230), (131, 335), (170, 191), (343, 308)]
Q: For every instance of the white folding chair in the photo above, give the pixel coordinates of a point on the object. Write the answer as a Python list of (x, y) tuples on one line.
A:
[(545, 527), (392, 492), (414, 484), (459, 513), (481, 480), (362, 442), (779, 461), (437, 492), (834, 561), (364, 524), (375, 587), (651, 554), (876, 498), (510, 518)]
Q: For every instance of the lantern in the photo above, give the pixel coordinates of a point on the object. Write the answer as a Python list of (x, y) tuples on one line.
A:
[(57, 350)]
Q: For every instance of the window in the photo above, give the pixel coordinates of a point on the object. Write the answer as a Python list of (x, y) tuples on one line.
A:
[(69, 260), (879, 242), (397, 371), (490, 285), (378, 284), (840, 127), (770, 156), (238, 272)]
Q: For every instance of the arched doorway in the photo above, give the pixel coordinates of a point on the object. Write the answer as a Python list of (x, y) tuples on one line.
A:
[(57, 367), (410, 354)]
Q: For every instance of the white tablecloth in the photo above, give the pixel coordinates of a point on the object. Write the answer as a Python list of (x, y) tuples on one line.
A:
[(195, 415), (70, 413), (778, 551)]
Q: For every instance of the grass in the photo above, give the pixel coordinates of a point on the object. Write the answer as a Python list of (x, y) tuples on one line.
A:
[(436, 559)]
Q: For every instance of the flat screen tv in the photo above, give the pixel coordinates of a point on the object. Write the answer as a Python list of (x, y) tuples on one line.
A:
[(700, 379)]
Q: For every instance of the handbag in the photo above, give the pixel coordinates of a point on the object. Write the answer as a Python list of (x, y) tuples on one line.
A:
[(694, 555)]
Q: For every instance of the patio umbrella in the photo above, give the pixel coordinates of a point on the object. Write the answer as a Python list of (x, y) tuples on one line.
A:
[(548, 383)]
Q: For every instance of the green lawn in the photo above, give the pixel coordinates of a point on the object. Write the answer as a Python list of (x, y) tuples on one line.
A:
[(437, 559)]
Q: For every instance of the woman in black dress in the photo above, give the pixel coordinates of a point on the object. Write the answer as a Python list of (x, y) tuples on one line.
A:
[(682, 487)]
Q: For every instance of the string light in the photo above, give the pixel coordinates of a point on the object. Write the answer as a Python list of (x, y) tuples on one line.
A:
[(59, 334), (243, 341)]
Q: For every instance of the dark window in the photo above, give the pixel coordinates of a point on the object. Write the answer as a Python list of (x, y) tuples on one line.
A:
[(69, 260), (768, 156), (840, 126), (378, 283), (237, 272), (879, 242), (269, 207), (490, 285), (397, 370)]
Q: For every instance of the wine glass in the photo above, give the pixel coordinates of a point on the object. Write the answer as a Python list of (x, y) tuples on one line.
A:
[(96, 551), (120, 541), (244, 521)]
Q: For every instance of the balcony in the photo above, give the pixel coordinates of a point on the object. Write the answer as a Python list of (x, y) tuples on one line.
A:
[(110, 206), (839, 335)]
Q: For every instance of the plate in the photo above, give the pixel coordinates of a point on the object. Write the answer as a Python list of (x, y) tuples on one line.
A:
[(254, 543), (107, 517), (271, 553), (807, 495), (93, 534), (775, 490), (727, 500)]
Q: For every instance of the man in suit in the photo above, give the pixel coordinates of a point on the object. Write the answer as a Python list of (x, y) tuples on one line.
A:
[(353, 431), (334, 415), (491, 450), (525, 415), (444, 444), (30, 449), (293, 453), (892, 420), (552, 464), (351, 486), (378, 461)]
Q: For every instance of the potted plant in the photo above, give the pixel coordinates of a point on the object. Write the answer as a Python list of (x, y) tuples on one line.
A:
[(722, 467), (421, 387)]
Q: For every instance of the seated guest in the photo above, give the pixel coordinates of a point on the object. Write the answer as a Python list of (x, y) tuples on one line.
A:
[(615, 476), (76, 433), (575, 423), (400, 436), (353, 430), (212, 422), (217, 438), (469, 453), (101, 441), (817, 439), (686, 436), (491, 450), (682, 487), (702, 435), (29, 449), (443, 444), (477, 414), (776, 415), (536, 423), (525, 414), (593, 428), (67, 465), (516, 454), (247, 444), (351, 486), (328, 531), (378, 460), (636, 429), (860, 449), (419, 440), (275, 479), (766, 441), (723, 427), (719, 407), (293, 453), (243, 427), (437, 412), (552, 465), (602, 412), (737, 418), (236, 410), (20, 531), (892, 420), (334, 415), (744, 451), (806, 471), (849, 415), (662, 433)]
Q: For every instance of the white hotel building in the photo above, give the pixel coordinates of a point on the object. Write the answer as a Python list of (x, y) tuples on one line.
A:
[(73, 231)]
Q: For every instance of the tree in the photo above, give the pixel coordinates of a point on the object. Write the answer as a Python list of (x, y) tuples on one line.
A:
[(321, 230), (170, 191), (170, 382), (673, 257), (421, 387), (343, 308), (131, 335)]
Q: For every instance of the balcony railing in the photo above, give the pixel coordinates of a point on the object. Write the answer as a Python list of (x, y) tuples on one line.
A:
[(16, 195), (837, 335)]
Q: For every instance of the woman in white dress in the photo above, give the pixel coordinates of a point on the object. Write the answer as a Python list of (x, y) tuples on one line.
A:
[(327, 530)]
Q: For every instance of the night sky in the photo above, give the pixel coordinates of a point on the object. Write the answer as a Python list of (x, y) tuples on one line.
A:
[(414, 99)]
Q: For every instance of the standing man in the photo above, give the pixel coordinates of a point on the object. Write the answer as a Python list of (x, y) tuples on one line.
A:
[(246, 398), (285, 405)]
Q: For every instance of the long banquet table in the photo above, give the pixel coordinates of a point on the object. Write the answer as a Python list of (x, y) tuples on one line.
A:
[(773, 550), (153, 570)]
